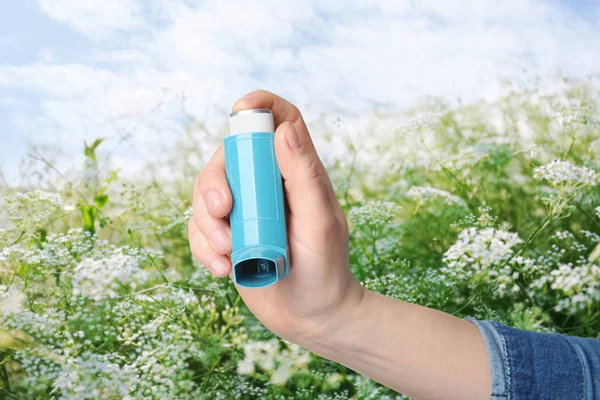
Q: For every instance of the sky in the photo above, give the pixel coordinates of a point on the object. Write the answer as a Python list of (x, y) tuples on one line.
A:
[(131, 70)]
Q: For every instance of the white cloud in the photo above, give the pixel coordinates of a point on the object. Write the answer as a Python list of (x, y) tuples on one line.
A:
[(335, 56), (47, 56), (97, 19), (12, 101), (56, 80)]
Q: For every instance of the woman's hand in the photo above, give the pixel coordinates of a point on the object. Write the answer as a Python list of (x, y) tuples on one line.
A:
[(421, 352), (320, 292)]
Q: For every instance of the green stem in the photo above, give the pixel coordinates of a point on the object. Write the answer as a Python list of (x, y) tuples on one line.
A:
[(570, 148), (18, 239), (586, 214), (540, 228)]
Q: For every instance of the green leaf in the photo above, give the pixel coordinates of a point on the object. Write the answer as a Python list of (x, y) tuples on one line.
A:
[(101, 200), (90, 150), (89, 214), (104, 221), (112, 177)]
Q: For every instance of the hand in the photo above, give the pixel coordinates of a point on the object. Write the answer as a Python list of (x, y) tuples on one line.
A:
[(320, 292)]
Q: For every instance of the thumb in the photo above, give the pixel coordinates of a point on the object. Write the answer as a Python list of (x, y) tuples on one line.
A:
[(302, 176)]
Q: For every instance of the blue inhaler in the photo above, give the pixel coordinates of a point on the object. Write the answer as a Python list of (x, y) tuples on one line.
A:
[(257, 219)]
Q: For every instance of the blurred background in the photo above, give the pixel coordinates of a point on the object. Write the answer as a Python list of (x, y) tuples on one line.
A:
[(138, 72)]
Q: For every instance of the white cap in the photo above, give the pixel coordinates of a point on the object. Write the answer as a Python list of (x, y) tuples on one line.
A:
[(254, 120)]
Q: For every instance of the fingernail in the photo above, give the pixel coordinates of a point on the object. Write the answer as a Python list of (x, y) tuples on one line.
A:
[(218, 268), (292, 137), (213, 200), (220, 239)]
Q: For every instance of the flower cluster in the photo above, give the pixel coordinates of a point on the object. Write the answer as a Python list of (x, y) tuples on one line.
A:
[(462, 161), (565, 173), (11, 299), (427, 288), (63, 251), (478, 250), (97, 279), (32, 210), (419, 123), (6, 237), (374, 213), (579, 284), (269, 356), (425, 195)]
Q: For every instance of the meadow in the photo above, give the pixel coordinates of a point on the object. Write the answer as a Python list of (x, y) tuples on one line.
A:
[(489, 210)]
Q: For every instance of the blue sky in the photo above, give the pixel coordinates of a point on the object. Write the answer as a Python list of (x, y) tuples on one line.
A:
[(73, 70)]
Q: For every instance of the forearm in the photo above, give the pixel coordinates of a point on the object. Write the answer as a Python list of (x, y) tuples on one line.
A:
[(420, 352)]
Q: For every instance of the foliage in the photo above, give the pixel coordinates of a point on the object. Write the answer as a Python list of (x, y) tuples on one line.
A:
[(488, 210)]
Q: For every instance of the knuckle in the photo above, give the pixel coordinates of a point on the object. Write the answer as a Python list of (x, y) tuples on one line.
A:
[(197, 245), (312, 168), (214, 179), (329, 227), (295, 111), (334, 226), (201, 219), (206, 177), (343, 223)]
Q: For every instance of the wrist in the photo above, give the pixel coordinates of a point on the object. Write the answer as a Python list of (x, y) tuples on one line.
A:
[(321, 335)]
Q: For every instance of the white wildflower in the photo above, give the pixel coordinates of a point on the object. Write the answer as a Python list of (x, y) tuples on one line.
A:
[(598, 211), (32, 210), (563, 235), (281, 364), (7, 236), (188, 213), (424, 195), (592, 236), (565, 173), (94, 376), (47, 326), (580, 285), (176, 298), (419, 123), (528, 152), (140, 226), (461, 161), (377, 213), (573, 115), (11, 300), (282, 373), (478, 250), (102, 278)]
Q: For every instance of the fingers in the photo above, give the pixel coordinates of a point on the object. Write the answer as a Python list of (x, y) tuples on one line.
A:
[(302, 175), (218, 264), (284, 111), (212, 203), (215, 230), (211, 187)]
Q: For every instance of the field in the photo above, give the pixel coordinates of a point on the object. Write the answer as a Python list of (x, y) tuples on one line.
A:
[(487, 210)]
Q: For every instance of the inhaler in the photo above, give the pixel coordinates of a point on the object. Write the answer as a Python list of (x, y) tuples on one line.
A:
[(258, 230)]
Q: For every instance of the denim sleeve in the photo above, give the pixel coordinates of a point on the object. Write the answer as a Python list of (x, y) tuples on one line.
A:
[(530, 365)]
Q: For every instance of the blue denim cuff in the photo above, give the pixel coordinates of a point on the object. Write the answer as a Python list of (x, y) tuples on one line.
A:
[(532, 365), (496, 349)]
